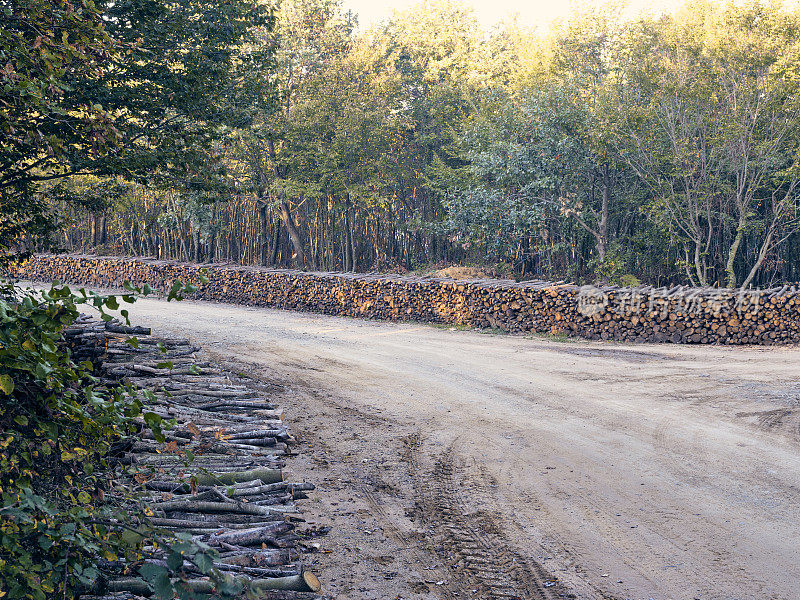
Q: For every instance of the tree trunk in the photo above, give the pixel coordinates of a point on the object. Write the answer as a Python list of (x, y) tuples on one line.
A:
[(93, 229), (699, 266), (294, 235), (285, 212), (733, 251), (262, 213), (276, 244), (198, 247), (602, 226), (347, 264), (762, 254), (350, 243), (212, 242)]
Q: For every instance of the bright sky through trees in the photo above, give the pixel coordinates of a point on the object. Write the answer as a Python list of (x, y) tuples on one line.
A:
[(538, 13)]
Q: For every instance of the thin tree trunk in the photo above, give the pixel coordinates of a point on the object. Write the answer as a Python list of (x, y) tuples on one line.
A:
[(699, 266), (294, 234), (762, 254), (93, 230), (733, 251), (352, 246), (262, 213), (602, 226), (285, 212), (276, 242), (212, 242), (348, 255)]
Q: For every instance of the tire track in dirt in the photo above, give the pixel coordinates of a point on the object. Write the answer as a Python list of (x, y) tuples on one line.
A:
[(403, 540), (483, 565), (785, 420)]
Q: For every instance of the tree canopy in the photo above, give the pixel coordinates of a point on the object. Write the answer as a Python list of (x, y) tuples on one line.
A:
[(656, 148), (138, 90)]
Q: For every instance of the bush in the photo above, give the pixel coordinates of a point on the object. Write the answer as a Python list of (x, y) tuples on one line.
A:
[(61, 516)]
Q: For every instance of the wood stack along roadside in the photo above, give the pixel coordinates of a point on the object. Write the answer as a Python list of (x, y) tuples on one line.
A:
[(644, 314), (232, 495)]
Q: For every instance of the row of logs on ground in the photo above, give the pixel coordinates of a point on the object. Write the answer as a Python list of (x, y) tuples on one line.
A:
[(232, 495), (644, 314)]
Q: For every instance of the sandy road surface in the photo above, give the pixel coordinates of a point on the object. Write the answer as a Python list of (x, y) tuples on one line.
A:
[(458, 464)]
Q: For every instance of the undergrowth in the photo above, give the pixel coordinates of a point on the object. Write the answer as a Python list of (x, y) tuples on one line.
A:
[(70, 514)]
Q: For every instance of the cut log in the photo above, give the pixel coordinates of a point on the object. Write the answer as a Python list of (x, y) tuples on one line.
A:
[(265, 475), (305, 582), (251, 537)]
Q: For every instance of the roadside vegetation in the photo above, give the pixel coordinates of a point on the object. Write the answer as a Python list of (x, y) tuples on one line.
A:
[(126, 93), (71, 513), (660, 149)]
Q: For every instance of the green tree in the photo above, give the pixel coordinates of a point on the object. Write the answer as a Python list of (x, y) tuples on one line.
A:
[(344, 135), (439, 51), (309, 34), (45, 45), (711, 125), (142, 90)]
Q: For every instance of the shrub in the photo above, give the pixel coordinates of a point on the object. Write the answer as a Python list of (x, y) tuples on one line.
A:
[(62, 519)]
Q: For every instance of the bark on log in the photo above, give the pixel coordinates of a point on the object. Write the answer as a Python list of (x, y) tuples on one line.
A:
[(250, 537), (306, 582), (265, 475)]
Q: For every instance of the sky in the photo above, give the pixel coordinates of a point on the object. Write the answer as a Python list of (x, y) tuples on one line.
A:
[(536, 13)]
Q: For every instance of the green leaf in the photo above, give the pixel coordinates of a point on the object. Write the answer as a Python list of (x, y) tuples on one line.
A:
[(131, 538), (162, 588), (6, 384), (174, 292), (175, 561), (151, 571), (152, 419), (42, 371), (204, 562)]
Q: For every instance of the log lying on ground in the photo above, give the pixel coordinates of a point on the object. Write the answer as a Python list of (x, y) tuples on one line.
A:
[(250, 537), (643, 314), (264, 475), (232, 494), (261, 557), (305, 582), (211, 507)]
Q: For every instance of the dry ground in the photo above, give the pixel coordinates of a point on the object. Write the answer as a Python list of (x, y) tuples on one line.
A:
[(458, 464)]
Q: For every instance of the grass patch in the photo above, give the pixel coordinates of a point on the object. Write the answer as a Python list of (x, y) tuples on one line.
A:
[(450, 327), (561, 338)]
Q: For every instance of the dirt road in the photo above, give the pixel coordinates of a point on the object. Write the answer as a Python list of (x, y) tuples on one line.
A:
[(458, 464)]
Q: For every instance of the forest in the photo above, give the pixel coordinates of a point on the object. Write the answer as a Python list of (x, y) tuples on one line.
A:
[(610, 148), (657, 149)]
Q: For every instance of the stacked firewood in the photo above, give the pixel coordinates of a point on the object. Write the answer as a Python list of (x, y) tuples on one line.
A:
[(678, 314), (218, 474)]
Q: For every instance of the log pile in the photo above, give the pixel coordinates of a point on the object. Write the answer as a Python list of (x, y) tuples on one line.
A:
[(232, 494), (644, 314)]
